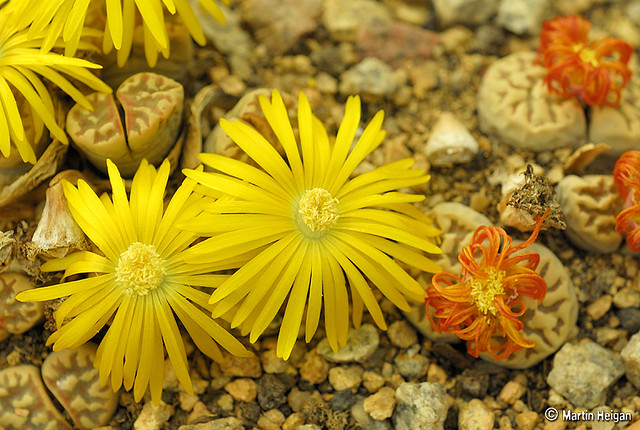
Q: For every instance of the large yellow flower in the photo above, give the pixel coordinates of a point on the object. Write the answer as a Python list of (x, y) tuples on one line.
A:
[(21, 61), (310, 236), (141, 281), (67, 19)]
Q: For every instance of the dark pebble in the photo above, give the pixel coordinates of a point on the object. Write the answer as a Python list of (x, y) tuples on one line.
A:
[(249, 412), (629, 319), (343, 400), (474, 383), (272, 392)]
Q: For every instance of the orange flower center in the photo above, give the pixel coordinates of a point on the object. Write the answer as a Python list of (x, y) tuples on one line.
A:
[(485, 290)]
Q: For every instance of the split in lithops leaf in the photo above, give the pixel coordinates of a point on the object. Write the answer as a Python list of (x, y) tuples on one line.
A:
[(152, 105)]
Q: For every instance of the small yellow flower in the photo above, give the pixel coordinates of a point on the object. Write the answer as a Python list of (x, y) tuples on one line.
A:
[(308, 235), (21, 61), (141, 282), (67, 18)]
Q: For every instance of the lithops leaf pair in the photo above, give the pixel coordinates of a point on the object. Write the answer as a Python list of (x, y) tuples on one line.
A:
[(152, 106)]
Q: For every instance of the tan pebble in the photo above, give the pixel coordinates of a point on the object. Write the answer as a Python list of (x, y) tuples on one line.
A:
[(555, 425), (229, 423), (298, 399), (511, 392), (424, 78), (527, 420), (381, 404), (372, 381), (271, 420), (71, 377), (519, 406), (599, 307), (314, 369), (243, 389), (24, 402), (153, 417), (187, 401), (479, 201), (450, 142), (232, 85), (271, 363), (17, 317), (343, 377), (475, 415), (293, 421), (225, 402), (199, 411), (626, 298), (401, 334), (395, 148), (504, 423), (241, 366), (436, 374)]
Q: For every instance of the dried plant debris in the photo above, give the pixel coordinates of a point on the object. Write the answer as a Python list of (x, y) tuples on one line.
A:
[(583, 156), (524, 205)]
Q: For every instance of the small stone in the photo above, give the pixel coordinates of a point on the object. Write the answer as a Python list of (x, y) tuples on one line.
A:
[(75, 383), (271, 420), (343, 400), (629, 319), (243, 389), (412, 365), (424, 77), (247, 367), (401, 334), (230, 423), (293, 422), (599, 307), (187, 401), (153, 417), (371, 78), (17, 317), (326, 83), (626, 298), (464, 11), (527, 420), (225, 402), (475, 415), (420, 406), (511, 392), (314, 368), (436, 374), (380, 405), (198, 413), (364, 420), (372, 381), (361, 343), (583, 373), (345, 377), (271, 392), (450, 142), (630, 355), (24, 402), (298, 400), (522, 16), (343, 20), (271, 363)]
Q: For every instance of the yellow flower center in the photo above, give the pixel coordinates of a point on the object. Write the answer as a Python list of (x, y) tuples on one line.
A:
[(484, 291), (140, 269), (587, 55), (318, 209)]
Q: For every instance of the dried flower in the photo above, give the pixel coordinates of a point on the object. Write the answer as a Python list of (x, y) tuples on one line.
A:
[(482, 306), (594, 72), (304, 233), (67, 18), (626, 174), (141, 281), (21, 61)]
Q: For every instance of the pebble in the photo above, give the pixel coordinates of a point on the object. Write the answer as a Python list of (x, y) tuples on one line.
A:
[(522, 16), (599, 307), (293, 422), (583, 373), (187, 401), (511, 392), (271, 420), (225, 402), (314, 368), (198, 413), (297, 399), (372, 78), (230, 423), (75, 383), (17, 317), (450, 142), (411, 365), (380, 405), (271, 392), (514, 104), (365, 421), (590, 204), (343, 400), (420, 406), (245, 367), (630, 355), (436, 374), (345, 377), (464, 11), (626, 298), (629, 319), (271, 363), (424, 78), (475, 415), (527, 420), (24, 402), (153, 417), (243, 389), (279, 24), (372, 381), (343, 20), (401, 334), (361, 344)]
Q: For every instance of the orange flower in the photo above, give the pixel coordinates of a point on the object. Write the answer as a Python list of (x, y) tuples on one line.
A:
[(483, 305), (626, 174), (594, 72)]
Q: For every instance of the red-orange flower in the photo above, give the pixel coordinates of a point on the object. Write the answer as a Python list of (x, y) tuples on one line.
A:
[(594, 72), (626, 174), (483, 305)]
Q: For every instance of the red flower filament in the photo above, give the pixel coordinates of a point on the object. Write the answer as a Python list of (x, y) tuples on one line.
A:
[(594, 72), (626, 174), (483, 305)]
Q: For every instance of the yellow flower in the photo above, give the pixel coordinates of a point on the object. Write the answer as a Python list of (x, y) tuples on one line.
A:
[(21, 61), (310, 236), (67, 18), (141, 281)]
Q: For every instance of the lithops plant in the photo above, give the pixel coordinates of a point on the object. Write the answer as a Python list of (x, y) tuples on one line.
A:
[(590, 204), (153, 107), (16, 317), (71, 377), (550, 323), (515, 104)]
